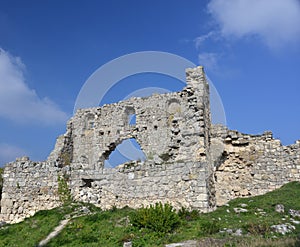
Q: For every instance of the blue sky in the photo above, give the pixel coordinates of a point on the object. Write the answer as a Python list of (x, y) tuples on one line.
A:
[(250, 50)]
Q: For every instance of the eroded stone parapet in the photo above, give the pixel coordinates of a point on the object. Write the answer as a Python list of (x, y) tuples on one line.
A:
[(249, 165)]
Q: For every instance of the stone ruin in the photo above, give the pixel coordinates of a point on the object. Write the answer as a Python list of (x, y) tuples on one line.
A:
[(190, 162)]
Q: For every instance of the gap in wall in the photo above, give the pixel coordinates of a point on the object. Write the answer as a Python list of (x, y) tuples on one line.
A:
[(128, 150)]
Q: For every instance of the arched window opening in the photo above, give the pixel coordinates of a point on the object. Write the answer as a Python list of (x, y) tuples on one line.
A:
[(129, 116), (132, 119), (128, 150)]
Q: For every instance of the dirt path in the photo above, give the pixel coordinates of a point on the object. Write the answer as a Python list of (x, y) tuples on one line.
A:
[(54, 233)]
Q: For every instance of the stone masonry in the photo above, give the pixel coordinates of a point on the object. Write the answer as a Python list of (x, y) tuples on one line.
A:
[(28, 187), (190, 162), (173, 131), (250, 165)]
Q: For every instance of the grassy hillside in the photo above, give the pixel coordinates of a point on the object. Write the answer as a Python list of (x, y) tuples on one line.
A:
[(243, 222)]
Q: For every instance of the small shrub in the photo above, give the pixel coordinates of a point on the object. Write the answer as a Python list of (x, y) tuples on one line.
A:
[(113, 208), (159, 218), (127, 237), (187, 215), (88, 239), (209, 227), (258, 228), (65, 158), (63, 190)]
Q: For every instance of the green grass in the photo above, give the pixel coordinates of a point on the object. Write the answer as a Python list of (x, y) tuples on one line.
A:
[(113, 227), (32, 230)]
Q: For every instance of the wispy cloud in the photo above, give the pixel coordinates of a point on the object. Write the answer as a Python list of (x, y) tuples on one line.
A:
[(9, 153), (209, 60), (275, 22), (18, 102), (201, 39)]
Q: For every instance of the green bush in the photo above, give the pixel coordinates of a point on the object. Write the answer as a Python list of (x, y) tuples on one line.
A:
[(187, 215), (159, 218), (65, 158), (208, 227)]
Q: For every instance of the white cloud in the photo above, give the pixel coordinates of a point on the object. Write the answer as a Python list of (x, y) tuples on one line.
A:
[(20, 103), (276, 22), (209, 60), (201, 39), (9, 153)]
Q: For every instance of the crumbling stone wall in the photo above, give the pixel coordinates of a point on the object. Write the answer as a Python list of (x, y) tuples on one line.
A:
[(250, 165), (172, 129), (173, 126), (28, 187), (143, 183), (190, 162)]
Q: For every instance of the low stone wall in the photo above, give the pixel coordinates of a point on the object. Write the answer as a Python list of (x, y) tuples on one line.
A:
[(135, 184), (33, 186), (249, 165), (27, 188)]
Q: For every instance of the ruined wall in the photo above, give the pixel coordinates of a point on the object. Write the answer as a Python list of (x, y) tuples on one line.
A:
[(142, 183), (172, 129), (249, 165), (173, 126), (190, 162), (28, 187)]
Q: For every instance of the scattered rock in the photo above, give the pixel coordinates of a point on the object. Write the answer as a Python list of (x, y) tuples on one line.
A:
[(296, 222), (279, 208), (240, 210), (127, 244), (294, 213), (283, 228), (2, 223), (190, 243), (85, 210), (157, 159), (238, 232)]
